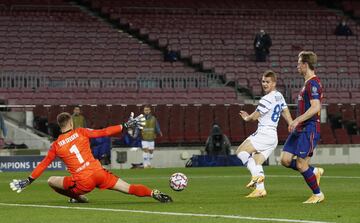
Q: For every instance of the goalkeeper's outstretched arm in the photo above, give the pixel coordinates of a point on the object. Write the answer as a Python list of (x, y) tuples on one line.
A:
[(19, 185), (138, 122)]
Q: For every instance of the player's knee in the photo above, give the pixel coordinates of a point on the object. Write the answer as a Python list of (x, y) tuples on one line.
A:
[(51, 181), (285, 162)]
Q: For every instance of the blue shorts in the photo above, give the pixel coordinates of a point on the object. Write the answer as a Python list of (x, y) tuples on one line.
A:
[(303, 143)]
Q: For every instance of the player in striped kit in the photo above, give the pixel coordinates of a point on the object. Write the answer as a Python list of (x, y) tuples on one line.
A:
[(258, 146)]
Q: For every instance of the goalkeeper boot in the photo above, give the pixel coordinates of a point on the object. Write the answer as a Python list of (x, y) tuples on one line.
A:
[(318, 173), (255, 180), (257, 193), (315, 198), (163, 198), (80, 199)]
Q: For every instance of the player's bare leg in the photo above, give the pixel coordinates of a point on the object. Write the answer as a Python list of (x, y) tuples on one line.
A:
[(57, 184), (286, 159)]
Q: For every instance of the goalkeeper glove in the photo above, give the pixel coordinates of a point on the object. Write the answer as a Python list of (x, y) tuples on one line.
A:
[(138, 122), (19, 185)]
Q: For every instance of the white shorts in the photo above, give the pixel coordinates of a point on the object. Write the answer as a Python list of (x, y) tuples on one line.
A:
[(264, 141), (148, 145)]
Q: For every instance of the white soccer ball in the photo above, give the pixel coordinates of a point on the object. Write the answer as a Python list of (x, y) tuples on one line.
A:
[(178, 181)]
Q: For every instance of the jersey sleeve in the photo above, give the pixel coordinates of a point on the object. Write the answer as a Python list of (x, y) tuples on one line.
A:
[(314, 90), (283, 103), (264, 105), (41, 167), (94, 133)]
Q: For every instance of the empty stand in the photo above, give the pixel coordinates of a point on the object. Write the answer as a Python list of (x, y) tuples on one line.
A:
[(221, 117), (191, 125), (208, 36), (162, 114), (341, 136), (327, 135), (176, 124), (206, 119), (236, 124)]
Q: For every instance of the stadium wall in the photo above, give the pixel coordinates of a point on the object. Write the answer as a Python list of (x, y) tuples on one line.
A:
[(170, 157)]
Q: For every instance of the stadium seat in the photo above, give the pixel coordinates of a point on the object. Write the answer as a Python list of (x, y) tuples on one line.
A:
[(236, 124), (341, 136), (206, 120), (191, 127), (176, 128)]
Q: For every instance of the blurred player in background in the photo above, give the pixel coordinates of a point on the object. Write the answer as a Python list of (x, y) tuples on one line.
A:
[(101, 149), (132, 137), (256, 149), (72, 146), (305, 129), (78, 119), (149, 133)]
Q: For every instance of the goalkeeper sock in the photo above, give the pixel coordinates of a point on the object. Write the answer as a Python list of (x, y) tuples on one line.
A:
[(139, 190)]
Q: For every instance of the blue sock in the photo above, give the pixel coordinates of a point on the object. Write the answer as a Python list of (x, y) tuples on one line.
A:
[(293, 165), (310, 179)]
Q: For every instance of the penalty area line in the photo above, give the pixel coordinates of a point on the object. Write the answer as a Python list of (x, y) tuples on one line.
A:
[(163, 213)]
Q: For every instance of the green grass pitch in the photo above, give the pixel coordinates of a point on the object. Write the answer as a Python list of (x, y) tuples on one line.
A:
[(213, 195)]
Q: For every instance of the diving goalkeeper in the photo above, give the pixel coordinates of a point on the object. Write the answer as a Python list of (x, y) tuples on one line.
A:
[(72, 146)]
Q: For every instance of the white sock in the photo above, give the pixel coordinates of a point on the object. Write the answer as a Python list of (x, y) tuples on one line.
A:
[(145, 159), (260, 186), (244, 157), (260, 172), (151, 156), (247, 161), (251, 165), (315, 170)]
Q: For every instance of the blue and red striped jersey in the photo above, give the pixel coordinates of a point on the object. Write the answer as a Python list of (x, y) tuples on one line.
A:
[(312, 90)]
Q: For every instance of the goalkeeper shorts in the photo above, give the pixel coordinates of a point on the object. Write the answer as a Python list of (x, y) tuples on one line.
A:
[(102, 179)]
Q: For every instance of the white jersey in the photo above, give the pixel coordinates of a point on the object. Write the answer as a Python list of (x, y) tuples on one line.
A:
[(270, 108)]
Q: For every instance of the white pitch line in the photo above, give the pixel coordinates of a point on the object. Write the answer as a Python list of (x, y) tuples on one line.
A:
[(165, 213), (225, 176), (280, 176)]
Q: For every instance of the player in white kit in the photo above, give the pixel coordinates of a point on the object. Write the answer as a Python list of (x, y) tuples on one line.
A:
[(258, 146)]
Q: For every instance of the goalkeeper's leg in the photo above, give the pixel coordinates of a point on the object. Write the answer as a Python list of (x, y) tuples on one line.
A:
[(133, 189), (57, 184), (140, 191)]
